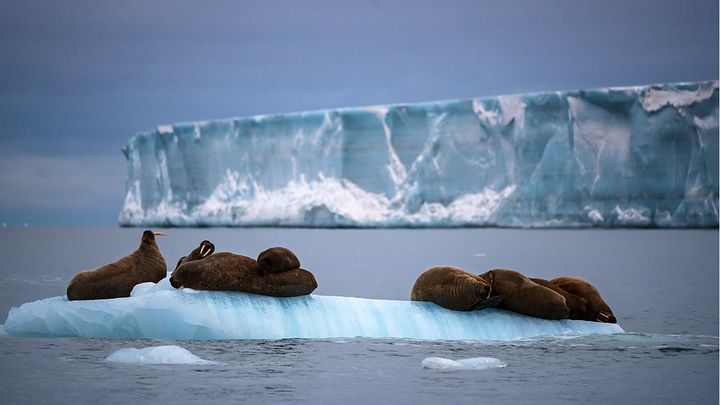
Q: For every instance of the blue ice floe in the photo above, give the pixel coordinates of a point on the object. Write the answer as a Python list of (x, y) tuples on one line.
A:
[(162, 312)]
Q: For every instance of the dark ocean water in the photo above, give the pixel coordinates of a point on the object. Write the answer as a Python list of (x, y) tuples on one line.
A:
[(661, 284)]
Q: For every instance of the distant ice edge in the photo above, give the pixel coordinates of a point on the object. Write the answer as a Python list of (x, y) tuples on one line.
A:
[(643, 156), (187, 314)]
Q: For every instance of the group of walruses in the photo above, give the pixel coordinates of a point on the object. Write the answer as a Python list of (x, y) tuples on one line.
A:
[(277, 272)]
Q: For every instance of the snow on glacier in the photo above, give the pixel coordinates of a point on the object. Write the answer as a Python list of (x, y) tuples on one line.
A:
[(644, 156), (162, 312)]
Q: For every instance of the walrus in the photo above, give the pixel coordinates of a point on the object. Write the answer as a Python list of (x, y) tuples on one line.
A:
[(454, 288), (117, 279), (277, 259), (577, 305), (226, 271), (525, 297), (597, 309), (205, 249)]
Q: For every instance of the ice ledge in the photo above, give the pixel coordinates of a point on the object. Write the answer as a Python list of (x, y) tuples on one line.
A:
[(165, 313)]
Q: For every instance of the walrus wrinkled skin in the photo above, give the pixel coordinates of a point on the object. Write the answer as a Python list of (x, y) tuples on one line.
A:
[(117, 279), (597, 309), (453, 288), (231, 272), (577, 305), (525, 297), (205, 249)]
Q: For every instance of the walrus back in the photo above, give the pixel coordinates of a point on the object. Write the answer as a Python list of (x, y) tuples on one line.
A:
[(577, 305), (109, 281), (230, 272), (526, 297), (597, 309), (117, 279), (450, 287)]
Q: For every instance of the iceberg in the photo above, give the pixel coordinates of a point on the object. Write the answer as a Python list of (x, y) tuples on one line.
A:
[(162, 312), (644, 156)]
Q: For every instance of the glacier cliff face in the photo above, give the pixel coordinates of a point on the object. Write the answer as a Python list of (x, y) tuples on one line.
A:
[(637, 156)]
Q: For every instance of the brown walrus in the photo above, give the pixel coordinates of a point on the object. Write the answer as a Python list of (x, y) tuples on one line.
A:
[(117, 279), (577, 305), (525, 297), (277, 259), (205, 249), (453, 288), (597, 309), (230, 272)]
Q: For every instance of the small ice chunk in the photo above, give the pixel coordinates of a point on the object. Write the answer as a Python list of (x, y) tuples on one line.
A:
[(141, 289), (478, 363), (156, 355), (481, 363), (438, 363), (150, 287)]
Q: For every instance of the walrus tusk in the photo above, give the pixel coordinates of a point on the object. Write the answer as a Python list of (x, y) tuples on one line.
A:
[(158, 234)]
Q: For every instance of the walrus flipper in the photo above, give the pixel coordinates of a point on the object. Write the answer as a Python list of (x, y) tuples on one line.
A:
[(491, 302), (182, 259), (276, 260)]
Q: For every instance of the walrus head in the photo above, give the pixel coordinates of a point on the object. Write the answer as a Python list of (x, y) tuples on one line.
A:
[(491, 301), (205, 249), (277, 259), (604, 317), (149, 236)]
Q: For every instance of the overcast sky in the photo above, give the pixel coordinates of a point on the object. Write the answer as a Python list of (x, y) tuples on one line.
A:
[(79, 78)]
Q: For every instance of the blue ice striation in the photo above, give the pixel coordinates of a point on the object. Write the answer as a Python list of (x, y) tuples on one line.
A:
[(162, 312), (642, 156)]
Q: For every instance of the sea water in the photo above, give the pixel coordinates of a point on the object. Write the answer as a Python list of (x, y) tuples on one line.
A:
[(661, 284)]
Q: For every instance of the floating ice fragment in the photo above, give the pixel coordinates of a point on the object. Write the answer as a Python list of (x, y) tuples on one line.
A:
[(478, 363), (156, 355)]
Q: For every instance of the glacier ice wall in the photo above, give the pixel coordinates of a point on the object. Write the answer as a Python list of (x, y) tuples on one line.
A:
[(637, 156), (161, 312)]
